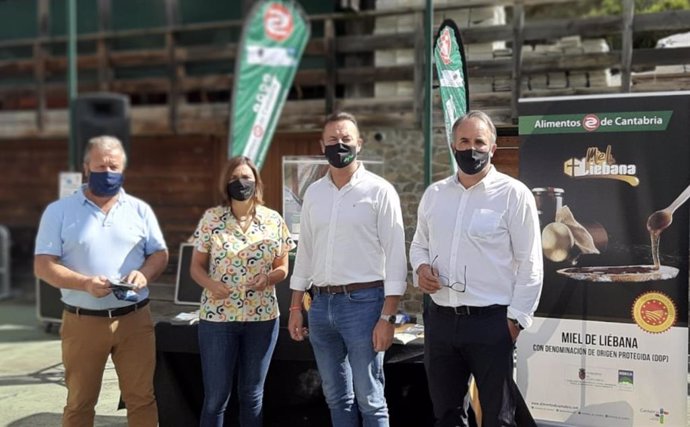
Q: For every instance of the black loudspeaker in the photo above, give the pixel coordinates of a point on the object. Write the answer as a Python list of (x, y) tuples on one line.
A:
[(48, 303), (98, 114), (186, 289)]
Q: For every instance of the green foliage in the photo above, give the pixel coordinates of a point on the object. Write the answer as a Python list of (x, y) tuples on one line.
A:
[(611, 8), (640, 40), (615, 7), (601, 8)]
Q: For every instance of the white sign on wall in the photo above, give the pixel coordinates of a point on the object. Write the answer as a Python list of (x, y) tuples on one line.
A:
[(70, 182)]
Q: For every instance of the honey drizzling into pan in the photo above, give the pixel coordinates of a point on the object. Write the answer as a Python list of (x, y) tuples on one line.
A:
[(656, 223)]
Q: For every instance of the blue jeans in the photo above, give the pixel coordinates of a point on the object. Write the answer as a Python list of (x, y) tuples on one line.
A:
[(340, 331), (224, 346)]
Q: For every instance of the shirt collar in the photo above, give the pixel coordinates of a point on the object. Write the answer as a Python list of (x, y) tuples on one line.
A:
[(82, 195), (357, 176), (259, 212)]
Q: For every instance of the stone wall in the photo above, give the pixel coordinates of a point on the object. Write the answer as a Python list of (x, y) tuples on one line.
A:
[(403, 151)]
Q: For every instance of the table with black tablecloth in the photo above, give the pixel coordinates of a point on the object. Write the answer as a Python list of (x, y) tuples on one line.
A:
[(292, 395)]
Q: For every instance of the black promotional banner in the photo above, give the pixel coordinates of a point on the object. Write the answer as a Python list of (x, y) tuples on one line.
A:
[(611, 176)]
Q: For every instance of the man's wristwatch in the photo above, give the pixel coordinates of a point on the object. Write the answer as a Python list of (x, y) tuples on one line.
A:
[(516, 323), (390, 318)]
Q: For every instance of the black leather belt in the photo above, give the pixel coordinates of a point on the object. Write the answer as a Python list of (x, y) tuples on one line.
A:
[(467, 310), (340, 289), (113, 312)]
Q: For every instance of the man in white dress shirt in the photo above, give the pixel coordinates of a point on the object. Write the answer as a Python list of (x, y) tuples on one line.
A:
[(352, 250), (477, 252)]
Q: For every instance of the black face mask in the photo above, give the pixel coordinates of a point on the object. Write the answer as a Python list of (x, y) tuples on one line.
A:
[(471, 161), (340, 155), (241, 189)]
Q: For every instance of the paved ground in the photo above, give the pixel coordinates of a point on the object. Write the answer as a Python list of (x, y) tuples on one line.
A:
[(32, 390)]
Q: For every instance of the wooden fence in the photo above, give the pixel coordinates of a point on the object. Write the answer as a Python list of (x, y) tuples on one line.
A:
[(169, 99)]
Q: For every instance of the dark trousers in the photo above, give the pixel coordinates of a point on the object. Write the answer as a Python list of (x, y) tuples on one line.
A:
[(457, 346)]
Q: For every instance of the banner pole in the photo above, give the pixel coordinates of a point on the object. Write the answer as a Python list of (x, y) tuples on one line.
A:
[(72, 80), (428, 95), (428, 104)]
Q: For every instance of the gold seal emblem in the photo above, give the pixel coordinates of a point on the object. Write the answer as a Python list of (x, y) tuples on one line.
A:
[(654, 312)]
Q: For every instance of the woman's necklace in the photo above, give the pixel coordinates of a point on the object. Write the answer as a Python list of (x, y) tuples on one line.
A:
[(243, 220)]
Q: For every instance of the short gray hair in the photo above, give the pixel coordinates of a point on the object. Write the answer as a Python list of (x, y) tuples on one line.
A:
[(107, 143), (480, 115)]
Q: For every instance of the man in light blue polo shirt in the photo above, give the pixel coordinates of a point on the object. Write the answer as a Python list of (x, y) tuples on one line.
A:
[(86, 244)]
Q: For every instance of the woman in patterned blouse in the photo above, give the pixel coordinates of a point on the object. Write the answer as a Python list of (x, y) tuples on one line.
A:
[(240, 253)]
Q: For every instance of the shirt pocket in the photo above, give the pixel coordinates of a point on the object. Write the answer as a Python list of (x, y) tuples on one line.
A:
[(358, 213), (485, 223)]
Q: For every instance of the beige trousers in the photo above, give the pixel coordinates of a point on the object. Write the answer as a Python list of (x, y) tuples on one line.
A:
[(86, 343)]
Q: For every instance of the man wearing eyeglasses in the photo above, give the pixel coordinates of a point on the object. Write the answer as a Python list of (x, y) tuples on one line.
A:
[(477, 253)]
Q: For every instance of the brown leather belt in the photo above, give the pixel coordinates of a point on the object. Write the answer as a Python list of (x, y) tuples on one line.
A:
[(113, 312), (340, 289)]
